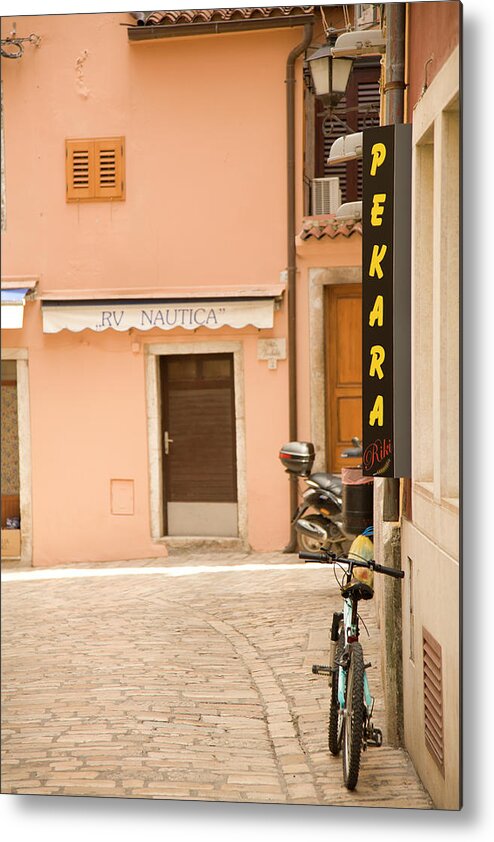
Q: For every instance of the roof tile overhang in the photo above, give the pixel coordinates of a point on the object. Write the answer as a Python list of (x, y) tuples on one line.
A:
[(328, 226), (166, 24), (192, 16)]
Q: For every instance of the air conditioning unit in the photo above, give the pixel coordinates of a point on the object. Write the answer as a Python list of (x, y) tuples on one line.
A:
[(326, 195), (366, 14)]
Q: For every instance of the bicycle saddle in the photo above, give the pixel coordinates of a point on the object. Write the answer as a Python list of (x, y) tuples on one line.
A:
[(357, 590)]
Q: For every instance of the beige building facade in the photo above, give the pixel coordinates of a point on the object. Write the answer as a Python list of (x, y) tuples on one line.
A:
[(420, 622), (430, 538)]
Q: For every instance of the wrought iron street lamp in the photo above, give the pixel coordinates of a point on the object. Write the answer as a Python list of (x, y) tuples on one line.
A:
[(329, 75)]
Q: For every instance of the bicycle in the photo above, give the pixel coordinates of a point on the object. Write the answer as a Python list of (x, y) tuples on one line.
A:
[(350, 725)]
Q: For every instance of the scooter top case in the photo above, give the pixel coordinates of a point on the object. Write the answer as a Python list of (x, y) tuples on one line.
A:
[(297, 457)]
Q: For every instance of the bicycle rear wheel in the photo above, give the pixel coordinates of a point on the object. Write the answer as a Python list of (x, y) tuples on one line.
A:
[(354, 717), (335, 724)]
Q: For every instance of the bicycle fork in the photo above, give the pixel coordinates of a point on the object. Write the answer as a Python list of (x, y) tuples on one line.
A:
[(371, 736)]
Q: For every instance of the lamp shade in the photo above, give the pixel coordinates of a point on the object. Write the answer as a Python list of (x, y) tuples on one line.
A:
[(329, 75), (342, 67)]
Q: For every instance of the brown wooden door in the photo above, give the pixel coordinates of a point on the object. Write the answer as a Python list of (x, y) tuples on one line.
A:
[(343, 319), (199, 444)]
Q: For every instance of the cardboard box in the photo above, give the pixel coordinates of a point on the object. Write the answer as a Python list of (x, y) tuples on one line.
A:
[(11, 543)]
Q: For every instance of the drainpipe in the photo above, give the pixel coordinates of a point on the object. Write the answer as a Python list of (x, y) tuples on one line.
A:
[(390, 488), (394, 90), (395, 62), (291, 262)]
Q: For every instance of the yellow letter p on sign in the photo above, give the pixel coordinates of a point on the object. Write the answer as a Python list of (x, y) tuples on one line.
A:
[(378, 153)]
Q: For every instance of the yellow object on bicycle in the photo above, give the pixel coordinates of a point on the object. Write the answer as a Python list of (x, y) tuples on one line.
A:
[(363, 549)]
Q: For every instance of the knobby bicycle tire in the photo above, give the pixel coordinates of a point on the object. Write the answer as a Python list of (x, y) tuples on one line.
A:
[(335, 722), (354, 717)]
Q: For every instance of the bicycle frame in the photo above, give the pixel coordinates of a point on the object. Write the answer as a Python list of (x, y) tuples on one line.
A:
[(351, 706), (351, 633)]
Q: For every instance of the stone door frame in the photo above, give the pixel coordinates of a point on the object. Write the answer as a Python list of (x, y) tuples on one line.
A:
[(152, 353), (318, 279)]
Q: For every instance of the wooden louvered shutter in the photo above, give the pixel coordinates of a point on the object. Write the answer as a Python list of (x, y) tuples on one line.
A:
[(95, 169), (326, 141), (79, 156), (358, 109), (108, 160), (368, 113)]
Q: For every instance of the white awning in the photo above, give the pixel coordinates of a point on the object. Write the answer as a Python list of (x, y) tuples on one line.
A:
[(12, 302), (188, 314)]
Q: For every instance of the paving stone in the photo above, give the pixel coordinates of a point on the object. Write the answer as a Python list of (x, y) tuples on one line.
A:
[(187, 687)]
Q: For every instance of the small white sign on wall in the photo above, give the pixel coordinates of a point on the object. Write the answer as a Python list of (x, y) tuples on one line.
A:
[(271, 350)]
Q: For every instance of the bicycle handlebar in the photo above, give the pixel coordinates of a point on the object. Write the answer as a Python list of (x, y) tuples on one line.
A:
[(389, 571), (325, 557)]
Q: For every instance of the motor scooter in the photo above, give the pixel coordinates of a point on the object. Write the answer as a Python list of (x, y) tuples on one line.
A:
[(323, 497)]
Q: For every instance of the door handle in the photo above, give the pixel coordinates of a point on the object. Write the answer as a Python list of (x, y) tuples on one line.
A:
[(167, 442)]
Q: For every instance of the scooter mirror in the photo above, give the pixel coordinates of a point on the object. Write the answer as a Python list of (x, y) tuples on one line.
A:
[(312, 530)]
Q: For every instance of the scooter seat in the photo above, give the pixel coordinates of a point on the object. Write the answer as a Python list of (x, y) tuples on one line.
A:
[(328, 482)]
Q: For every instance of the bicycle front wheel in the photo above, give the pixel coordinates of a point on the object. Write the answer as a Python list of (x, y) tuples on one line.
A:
[(353, 717), (335, 724)]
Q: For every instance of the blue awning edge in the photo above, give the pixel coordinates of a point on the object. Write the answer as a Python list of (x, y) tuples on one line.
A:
[(13, 296), (13, 301)]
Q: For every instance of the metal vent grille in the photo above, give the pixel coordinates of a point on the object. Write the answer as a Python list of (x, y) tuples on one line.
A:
[(326, 195), (433, 698)]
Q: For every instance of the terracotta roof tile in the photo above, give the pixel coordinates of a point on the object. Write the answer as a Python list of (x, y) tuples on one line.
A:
[(191, 16), (328, 226)]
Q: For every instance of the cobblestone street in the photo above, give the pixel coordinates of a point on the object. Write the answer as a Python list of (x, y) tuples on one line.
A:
[(189, 679)]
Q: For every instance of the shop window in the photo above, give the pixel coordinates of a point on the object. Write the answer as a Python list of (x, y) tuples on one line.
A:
[(95, 169)]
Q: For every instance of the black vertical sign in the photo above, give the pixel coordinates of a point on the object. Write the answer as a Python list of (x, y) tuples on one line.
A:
[(386, 404)]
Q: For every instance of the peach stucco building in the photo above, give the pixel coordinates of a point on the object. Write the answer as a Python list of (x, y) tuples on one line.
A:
[(144, 196)]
